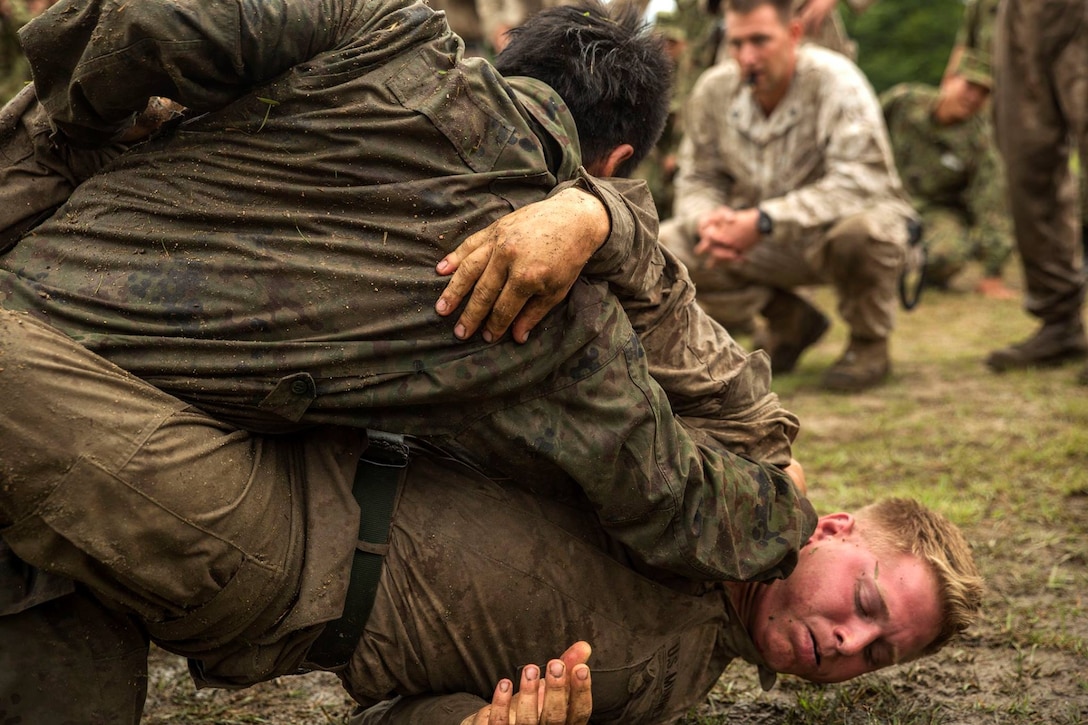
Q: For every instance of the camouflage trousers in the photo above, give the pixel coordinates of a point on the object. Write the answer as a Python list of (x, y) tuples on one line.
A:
[(1040, 102), (194, 529), (854, 256)]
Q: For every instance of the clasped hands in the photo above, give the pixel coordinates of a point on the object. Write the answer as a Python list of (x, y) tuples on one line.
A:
[(726, 234)]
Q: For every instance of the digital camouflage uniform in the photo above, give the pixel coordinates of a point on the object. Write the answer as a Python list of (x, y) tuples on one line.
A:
[(298, 290), (975, 38), (955, 179), (1040, 104), (254, 560), (820, 166)]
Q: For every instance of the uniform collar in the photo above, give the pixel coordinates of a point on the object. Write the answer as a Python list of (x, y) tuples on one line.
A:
[(552, 118)]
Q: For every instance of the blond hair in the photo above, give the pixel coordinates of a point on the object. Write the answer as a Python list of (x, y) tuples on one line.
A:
[(904, 526)]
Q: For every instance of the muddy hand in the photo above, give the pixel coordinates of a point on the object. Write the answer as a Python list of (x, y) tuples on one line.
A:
[(522, 265)]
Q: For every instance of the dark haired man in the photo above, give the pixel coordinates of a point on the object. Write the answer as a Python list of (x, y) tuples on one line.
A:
[(787, 180)]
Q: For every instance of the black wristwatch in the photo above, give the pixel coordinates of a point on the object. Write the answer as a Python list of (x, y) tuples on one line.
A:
[(765, 225)]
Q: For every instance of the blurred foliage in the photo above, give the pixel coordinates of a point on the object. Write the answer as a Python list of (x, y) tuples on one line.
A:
[(905, 40)]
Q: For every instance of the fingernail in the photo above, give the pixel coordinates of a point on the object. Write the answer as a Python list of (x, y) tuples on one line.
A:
[(556, 669), (531, 672), (582, 673), (441, 306), (504, 686), (442, 266), (488, 336), (459, 332)]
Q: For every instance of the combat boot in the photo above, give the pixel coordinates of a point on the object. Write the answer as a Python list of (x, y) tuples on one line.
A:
[(1052, 344), (864, 364), (793, 326)]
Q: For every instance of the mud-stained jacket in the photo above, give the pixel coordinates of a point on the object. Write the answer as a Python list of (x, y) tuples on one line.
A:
[(652, 662), (951, 167), (272, 261), (822, 154)]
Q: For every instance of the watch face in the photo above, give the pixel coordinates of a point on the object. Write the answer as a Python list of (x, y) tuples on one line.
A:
[(765, 225)]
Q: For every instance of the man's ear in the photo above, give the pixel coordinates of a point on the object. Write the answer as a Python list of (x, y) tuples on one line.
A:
[(796, 31), (609, 164), (832, 525)]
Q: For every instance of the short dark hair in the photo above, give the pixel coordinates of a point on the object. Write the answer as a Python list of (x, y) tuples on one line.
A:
[(607, 66), (784, 8)]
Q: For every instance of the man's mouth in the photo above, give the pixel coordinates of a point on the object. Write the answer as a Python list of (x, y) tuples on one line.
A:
[(753, 77), (815, 648)]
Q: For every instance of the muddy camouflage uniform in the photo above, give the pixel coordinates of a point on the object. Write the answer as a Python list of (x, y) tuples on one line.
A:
[(820, 166), (470, 566), (279, 294), (955, 179), (282, 283)]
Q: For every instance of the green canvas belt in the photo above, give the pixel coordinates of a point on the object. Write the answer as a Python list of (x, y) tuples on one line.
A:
[(377, 479)]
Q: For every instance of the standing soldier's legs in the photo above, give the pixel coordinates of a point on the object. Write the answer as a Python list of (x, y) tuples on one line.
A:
[(864, 266), (1041, 98)]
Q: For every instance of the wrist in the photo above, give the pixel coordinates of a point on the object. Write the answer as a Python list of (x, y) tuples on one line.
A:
[(764, 223), (591, 215)]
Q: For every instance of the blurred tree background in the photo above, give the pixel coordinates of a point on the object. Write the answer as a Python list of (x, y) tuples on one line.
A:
[(904, 40)]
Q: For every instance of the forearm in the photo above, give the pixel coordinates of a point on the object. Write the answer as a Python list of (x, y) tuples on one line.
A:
[(436, 709), (96, 62), (626, 257)]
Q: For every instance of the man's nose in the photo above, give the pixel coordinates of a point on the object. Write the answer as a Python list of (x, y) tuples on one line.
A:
[(852, 639), (747, 56)]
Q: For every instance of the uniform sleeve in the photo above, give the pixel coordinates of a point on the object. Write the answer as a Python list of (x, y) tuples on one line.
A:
[(36, 175), (858, 165), (430, 709), (97, 62), (712, 383), (625, 259)]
